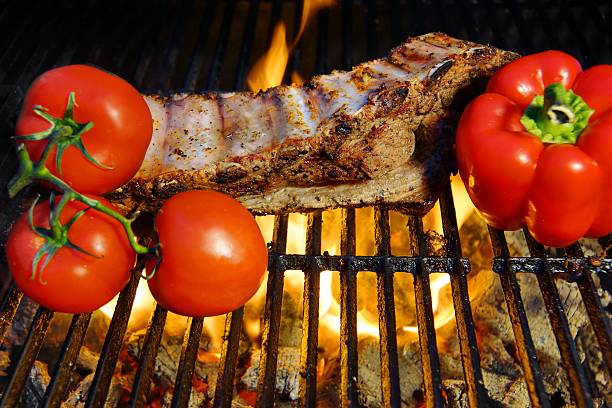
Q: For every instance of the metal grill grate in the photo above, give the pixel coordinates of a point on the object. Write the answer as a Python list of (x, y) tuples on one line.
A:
[(195, 45)]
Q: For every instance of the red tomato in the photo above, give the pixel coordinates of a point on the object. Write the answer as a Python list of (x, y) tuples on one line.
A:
[(120, 135), (213, 254), (72, 282)]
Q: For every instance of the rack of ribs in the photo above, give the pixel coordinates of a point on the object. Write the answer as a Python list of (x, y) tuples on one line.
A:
[(381, 133)]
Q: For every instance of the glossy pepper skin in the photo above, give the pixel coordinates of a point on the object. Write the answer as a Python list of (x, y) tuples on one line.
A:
[(536, 149)]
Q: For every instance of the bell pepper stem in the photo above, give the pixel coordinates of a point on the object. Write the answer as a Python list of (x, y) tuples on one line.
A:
[(557, 116)]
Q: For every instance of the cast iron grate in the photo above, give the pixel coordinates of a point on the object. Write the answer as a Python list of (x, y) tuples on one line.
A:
[(196, 45)]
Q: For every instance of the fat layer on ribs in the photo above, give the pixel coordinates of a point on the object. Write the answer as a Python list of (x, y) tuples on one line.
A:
[(381, 133)]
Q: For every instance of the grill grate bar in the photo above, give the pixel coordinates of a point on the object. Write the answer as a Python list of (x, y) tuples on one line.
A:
[(152, 68), (466, 21), (139, 68), (386, 314), (322, 64), (112, 345), (556, 265), (560, 326), (584, 46), (470, 356), (550, 29), (372, 263), (348, 313), (197, 59), (275, 16), (347, 34), (369, 18), (68, 51), (525, 40), (295, 56), (146, 359), (430, 361), (522, 334), (170, 66), (65, 365), (124, 49), (40, 56), (31, 347), (599, 18), (493, 11), (212, 82), (394, 16), (227, 364), (9, 13), (15, 53), (601, 325), (247, 43), (266, 384), (9, 307), (32, 58), (310, 319), (189, 353), (108, 49)]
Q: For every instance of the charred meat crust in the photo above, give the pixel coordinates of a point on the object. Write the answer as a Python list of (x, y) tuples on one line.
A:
[(394, 149)]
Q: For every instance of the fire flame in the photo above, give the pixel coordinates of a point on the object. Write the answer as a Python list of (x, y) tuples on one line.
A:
[(269, 70)]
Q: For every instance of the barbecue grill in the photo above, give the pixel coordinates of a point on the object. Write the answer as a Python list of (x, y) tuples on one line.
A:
[(209, 45)]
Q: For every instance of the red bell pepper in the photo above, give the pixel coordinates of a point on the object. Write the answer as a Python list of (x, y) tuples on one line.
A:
[(536, 148)]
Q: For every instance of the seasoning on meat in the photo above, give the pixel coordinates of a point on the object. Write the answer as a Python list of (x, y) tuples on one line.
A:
[(379, 134)]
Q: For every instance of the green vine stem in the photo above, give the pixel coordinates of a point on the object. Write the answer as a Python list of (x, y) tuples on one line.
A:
[(64, 132)]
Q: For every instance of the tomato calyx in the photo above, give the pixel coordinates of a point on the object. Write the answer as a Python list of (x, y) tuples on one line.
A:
[(148, 275), (557, 116), (64, 132), (56, 236)]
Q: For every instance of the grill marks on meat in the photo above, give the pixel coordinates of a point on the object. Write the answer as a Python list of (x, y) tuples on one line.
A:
[(381, 133)]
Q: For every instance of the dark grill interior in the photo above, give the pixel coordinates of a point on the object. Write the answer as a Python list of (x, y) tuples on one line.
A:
[(210, 45)]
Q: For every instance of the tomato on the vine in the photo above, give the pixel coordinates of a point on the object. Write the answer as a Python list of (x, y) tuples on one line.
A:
[(213, 254), (72, 281), (118, 140)]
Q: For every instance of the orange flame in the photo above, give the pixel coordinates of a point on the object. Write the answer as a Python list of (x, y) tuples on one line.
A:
[(269, 70), (296, 78)]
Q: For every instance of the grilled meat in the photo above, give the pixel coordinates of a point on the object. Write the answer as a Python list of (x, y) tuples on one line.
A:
[(379, 134)]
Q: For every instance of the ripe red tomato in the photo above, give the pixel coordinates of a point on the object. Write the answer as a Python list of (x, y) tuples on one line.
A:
[(72, 282), (120, 135), (213, 254)]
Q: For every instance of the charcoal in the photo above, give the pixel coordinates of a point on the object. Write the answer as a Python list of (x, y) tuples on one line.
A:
[(117, 392), (287, 373), (36, 385)]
